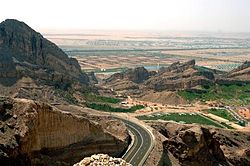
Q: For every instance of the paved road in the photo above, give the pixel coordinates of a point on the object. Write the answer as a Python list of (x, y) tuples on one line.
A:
[(232, 111), (141, 148), (235, 115)]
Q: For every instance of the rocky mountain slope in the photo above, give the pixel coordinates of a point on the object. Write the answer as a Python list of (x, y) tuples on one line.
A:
[(179, 76), (165, 83), (34, 133), (240, 75), (137, 75), (129, 80), (176, 76), (24, 52), (162, 84), (193, 144)]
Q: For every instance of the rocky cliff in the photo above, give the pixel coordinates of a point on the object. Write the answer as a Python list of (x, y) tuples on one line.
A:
[(136, 75), (33, 133), (92, 78), (193, 144), (24, 52)]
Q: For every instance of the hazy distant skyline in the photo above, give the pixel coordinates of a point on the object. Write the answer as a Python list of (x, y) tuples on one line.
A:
[(169, 15)]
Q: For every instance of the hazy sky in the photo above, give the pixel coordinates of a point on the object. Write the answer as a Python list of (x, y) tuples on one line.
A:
[(175, 15)]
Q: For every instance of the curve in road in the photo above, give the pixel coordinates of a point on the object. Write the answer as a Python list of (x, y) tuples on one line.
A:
[(142, 145)]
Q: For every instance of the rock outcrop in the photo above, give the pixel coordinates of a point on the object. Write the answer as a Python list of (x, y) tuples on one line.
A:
[(24, 52), (139, 83), (244, 66), (33, 133), (136, 75), (179, 76), (240, 75), (178, 67), (92, 78), (163, 86), (193, 144), (102, 159)]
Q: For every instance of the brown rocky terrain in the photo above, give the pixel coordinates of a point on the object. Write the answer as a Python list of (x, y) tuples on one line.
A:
[(176, 76), (193, 144), (157, 87), (34, 68), (128, 80), (161, 85), (35, 133), (25, 52), (136, 75), (92, 78), (27, 88), (179, 76), (240, 75), (164, 97)]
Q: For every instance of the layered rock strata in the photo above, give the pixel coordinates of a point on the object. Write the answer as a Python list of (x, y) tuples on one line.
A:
[(193, 144), (33, 133)]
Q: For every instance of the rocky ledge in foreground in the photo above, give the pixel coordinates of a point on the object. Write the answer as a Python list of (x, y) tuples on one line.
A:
[(194, 144), (35, 133), (102, 159)]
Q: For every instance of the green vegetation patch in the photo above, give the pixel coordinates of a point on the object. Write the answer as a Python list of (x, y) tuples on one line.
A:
[(221, 113), (181, 118), (108, 108), (226, 125), (103, 99), (227, 94)]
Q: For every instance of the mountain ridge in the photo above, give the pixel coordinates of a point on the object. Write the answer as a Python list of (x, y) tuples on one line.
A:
[(25, 52)]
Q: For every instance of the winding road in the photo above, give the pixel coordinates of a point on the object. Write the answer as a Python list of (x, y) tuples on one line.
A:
[(142, 144)]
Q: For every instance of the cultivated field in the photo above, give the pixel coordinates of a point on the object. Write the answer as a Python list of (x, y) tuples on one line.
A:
[(188, 118)]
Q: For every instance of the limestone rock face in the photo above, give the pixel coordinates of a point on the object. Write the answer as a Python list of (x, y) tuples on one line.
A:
[(193, 144), (102, 159), (24, 52), (33, 133), (136, 75)]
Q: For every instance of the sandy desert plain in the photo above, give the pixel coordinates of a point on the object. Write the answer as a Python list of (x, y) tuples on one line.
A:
[(108, 52)]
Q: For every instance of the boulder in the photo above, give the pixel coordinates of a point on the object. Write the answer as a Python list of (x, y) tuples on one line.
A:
[(102, 159)]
